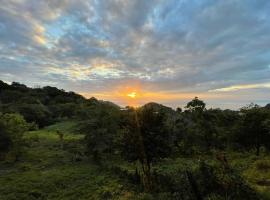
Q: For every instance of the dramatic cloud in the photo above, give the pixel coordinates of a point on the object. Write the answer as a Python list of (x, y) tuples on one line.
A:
[(167, 51)]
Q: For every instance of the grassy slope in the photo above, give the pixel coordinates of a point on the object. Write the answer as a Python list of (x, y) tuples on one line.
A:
[(46, 171)]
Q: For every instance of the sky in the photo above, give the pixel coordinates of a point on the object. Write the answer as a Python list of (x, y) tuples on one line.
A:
[(136, 51)]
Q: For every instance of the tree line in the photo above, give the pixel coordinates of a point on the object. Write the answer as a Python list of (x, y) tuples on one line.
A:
[(152, 132)]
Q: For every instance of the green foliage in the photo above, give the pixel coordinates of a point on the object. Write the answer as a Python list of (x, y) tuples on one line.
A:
[(12, 128), (64, 177), (258, 174), (253, 130), (145, 132), (66, 126), (36, 113), (155, 133), (196, 105), (145, 138), (101, 129), (50, 172), (43, 106)]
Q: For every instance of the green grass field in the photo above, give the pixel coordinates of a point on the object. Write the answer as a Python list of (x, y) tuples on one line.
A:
[(48, 169)]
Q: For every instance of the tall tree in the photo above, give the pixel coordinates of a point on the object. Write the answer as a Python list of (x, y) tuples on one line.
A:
[(145, 138), (12, 128), (100, 129), (253, 128), (196, 105)]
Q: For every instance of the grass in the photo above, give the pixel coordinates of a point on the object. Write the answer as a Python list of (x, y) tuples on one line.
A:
[(61, 182), (47, 171), (258, 174), (65, 127)]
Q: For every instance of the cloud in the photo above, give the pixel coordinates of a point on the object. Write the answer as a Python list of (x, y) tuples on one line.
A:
[(242, 87), (173, 46)]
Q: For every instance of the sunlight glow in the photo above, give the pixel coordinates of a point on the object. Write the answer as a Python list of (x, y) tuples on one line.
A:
[(132, 94), (40, 39)]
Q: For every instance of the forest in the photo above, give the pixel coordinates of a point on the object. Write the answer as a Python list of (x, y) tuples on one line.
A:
[(60, 145)]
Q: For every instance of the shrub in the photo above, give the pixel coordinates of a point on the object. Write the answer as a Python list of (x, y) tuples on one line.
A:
[(263, 165), (12, 127)]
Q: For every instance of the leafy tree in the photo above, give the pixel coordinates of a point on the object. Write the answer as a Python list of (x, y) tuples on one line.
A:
[(178, 109), (3, 86), (224, 122), (145, 138), (37, 113), (12, 128), (201, 129), (253, 128), (267, 106), (9, 96), (65, 110), (180, 124), (5, 140), (101, 130), (209, 130), (196, 105)]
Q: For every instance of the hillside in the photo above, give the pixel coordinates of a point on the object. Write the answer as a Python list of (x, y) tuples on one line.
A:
[(59, 145), (47, 105)]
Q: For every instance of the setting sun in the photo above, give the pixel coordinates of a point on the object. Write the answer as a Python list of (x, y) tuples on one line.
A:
[(132, 94)]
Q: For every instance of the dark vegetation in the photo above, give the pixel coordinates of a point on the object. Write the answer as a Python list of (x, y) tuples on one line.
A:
[(59, 145)]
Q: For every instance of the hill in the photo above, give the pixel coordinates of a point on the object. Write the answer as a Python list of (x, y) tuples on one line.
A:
[(60, 145), (47, 105)]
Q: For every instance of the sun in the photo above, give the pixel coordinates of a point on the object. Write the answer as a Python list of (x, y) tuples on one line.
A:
[(132, 95)]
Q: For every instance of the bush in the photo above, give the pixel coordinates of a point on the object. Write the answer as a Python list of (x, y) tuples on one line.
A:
[(12, 127), (206, 181), (262, 165)]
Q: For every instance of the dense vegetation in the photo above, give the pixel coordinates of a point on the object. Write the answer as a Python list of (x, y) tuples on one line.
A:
[(59, 145)]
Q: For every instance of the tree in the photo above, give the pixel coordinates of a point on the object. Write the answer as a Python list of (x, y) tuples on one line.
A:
[(180, 124), (12, 128), (5, 140), (253, 128), (101, 130), (145, 138), (37, 113), (196, 105), (178, 109), (202, 126), (209, 130)]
